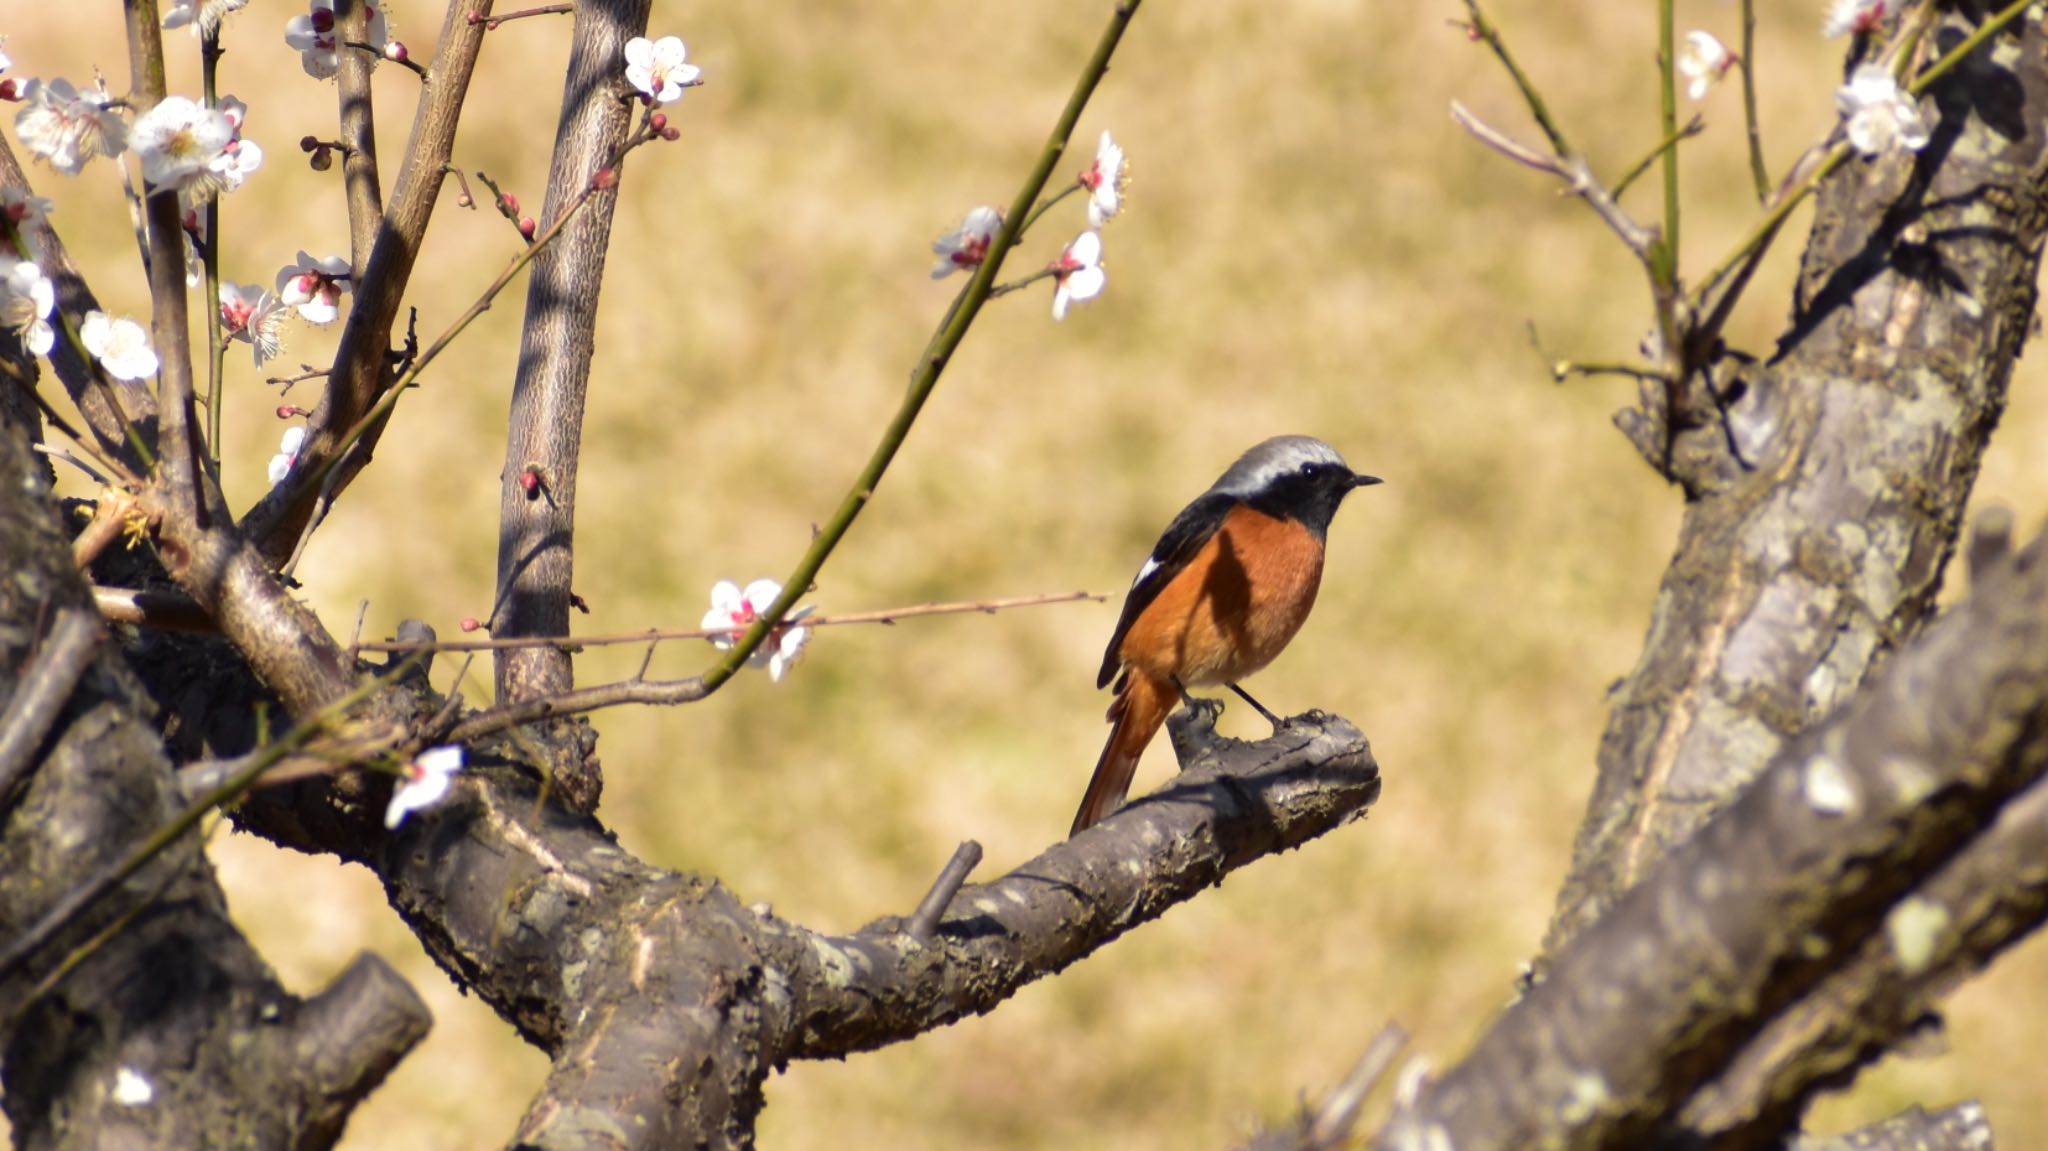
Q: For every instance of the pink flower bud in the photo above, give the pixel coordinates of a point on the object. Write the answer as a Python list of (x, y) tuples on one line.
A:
[(10, 89), (291, 411), (395, 50), (469, 623), (604, 178), (508, 203), (529, 481), (527, 226), (657, 121), (671, 133)]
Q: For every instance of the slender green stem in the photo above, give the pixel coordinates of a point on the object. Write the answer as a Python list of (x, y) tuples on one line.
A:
[(1489, 34), (1758, 172), (1969, 44), (933, 363), (209, 252), (1692, 127), (1667, 69)]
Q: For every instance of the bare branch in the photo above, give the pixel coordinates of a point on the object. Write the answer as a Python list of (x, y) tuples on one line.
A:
[(41, 691), (1808, 861)]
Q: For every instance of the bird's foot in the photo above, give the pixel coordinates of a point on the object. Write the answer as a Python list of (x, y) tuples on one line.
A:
[(1193, 728)]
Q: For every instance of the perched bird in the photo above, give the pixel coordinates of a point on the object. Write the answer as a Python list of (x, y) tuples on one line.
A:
[(1224, 590)]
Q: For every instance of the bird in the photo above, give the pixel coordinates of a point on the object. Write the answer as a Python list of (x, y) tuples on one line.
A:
[(1224, 590)]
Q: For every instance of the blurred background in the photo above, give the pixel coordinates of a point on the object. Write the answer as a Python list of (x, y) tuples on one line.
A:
[(1309, 245)]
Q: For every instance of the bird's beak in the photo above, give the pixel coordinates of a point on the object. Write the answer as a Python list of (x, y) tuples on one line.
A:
[(1364, 481)]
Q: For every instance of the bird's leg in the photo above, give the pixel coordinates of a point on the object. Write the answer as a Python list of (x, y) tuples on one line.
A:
[(1246, 696)]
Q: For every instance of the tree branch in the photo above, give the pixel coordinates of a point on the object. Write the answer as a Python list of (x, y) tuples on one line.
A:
[(1797, 570), (1739, 921)]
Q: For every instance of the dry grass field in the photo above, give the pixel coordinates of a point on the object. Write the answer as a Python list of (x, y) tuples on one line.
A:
[(1310, 245)]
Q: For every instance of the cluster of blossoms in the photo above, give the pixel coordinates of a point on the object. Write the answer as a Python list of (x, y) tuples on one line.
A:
[(734, 609), (181, 143), (1077, 274), (1877, 114)]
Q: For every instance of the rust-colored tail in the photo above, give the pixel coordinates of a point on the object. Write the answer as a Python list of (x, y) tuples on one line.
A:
[(1140, 707)]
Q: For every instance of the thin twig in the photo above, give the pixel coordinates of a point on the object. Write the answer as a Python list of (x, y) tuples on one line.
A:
[(924, 922), (159, 610), (1339, 1113), (45, 684), (1757, 171), (491, 24), (1571, 169), (1664, 258), (1486, 31), (1693, 127), (984, 607)]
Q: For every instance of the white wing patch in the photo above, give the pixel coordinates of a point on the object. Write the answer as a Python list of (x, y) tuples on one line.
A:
[(1151, 565)]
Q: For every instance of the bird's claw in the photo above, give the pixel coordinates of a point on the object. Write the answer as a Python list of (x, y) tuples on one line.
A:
[(1193, 728)]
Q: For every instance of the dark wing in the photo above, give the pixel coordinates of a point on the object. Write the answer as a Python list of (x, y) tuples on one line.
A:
[(1183, 539)]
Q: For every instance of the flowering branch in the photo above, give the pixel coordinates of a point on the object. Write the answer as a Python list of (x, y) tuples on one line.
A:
[(937, 355), (359, 377)]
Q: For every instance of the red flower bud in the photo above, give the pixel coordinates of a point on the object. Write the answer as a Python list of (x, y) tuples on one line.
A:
[(527, 227)]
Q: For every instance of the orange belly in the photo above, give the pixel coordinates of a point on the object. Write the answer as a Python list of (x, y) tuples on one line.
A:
[(1234, 607)]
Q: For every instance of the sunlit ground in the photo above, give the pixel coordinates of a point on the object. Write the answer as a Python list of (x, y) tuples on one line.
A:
[(1310, 246)]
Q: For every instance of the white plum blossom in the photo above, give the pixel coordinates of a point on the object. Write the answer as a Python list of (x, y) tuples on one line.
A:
[(1105, 180), (1878, 113), (203, 15), (314, 287), (1858, 16), (26, 299), (657, 70), (1079, 272), (287, 453), (181, 143), (1703, 61), (120, 345), (734, 609), (251, 314), (240, 157), (318, 42), (966, 246), (425, 780), (68, 127), (20, 207)]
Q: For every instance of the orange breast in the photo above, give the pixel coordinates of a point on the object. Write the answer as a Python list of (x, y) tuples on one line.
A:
[(1235, 605)]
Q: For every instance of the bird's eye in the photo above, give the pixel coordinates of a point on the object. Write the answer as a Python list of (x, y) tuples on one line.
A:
[(1311, 470)]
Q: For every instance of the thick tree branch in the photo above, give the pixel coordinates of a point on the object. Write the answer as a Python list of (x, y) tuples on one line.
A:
[(665, 1001), (1738, 922), (152, 997), (544, 430), (1825, 509)]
